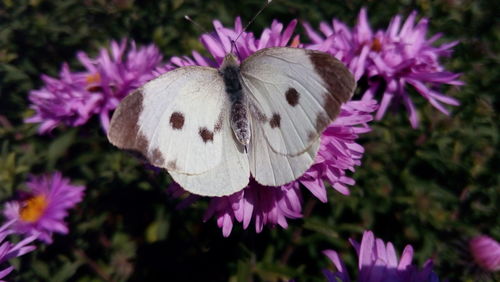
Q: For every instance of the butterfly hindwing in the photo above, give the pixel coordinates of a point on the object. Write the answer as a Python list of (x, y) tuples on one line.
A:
[(272, 169), (294, 94), (229, 176), (175, 120)]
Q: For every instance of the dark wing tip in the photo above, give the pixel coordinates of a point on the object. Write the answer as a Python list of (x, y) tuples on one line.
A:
[(124, 126), (339, 80), (124, 130)]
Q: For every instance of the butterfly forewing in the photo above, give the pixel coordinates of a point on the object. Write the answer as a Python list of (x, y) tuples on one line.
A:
[(294, 94), (175, 120)]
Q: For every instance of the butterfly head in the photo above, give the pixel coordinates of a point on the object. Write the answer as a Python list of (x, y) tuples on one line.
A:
[(230, 60)]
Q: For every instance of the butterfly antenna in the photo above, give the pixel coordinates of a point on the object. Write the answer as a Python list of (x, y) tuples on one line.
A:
[(253, 19), (233, 45), (198, 26)]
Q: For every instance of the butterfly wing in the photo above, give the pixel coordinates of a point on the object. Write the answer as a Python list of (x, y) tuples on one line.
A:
[(272, 169), (229, 176), (294, 95), (174, 121)]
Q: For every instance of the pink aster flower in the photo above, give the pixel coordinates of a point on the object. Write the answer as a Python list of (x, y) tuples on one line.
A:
[(9, 250), (63, 100), (218, 44), (74, 97), (486, 252), (42, 209), (265, 205), (378, 261), (338, 152), (391, 60)]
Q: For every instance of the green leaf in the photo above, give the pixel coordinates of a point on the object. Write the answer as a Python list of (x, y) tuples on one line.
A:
[(58, 148)]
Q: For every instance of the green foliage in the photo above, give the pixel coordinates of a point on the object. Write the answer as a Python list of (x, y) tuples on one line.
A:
[(432, 187)]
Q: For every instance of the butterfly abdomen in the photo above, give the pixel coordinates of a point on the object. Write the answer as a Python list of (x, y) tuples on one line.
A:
[(237, 100), (239, 122)]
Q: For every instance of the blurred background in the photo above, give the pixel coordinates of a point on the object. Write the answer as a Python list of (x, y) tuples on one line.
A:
[(433, 187)]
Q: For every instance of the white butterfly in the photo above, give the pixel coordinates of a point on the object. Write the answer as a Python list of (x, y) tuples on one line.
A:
[(213, 128)]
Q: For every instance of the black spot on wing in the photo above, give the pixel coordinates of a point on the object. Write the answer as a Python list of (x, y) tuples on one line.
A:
[(177, 120), (292, 97), (275, 121), (206, 135), (124, 130)]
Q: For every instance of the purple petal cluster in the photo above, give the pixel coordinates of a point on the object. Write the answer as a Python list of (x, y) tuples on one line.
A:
[(42, 208), (391, 60), (486, 252), (219, 44), (264, 205), (338, 152), (378, 261), (9, 250), (74, 97)]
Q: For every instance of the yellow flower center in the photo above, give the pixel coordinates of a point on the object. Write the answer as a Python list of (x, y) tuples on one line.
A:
[(92, 81), (295, 42), (33, 208), (376, 45), (93, 78)]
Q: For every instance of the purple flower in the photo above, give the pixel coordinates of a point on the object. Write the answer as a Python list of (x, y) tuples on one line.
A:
[(75, 97), (378, 261), (9, 250), (391, 60), (42, 209), (486, 252), (219, 44), (338, 152), (65, 100), (265, 205)]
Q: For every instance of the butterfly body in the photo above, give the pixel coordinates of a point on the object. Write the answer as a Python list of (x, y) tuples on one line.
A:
[(230, 72), (213, 129)]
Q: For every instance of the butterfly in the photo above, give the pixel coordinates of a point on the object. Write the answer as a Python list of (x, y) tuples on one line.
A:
[(212, 129)]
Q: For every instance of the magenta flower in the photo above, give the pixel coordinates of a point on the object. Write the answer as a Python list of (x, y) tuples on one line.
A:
[(486, 252), (64, 100), (9, 250), (378, 261), (219, 44), (42, 209), (338, 152), (391, 60), (74, 97), (265, 205)]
